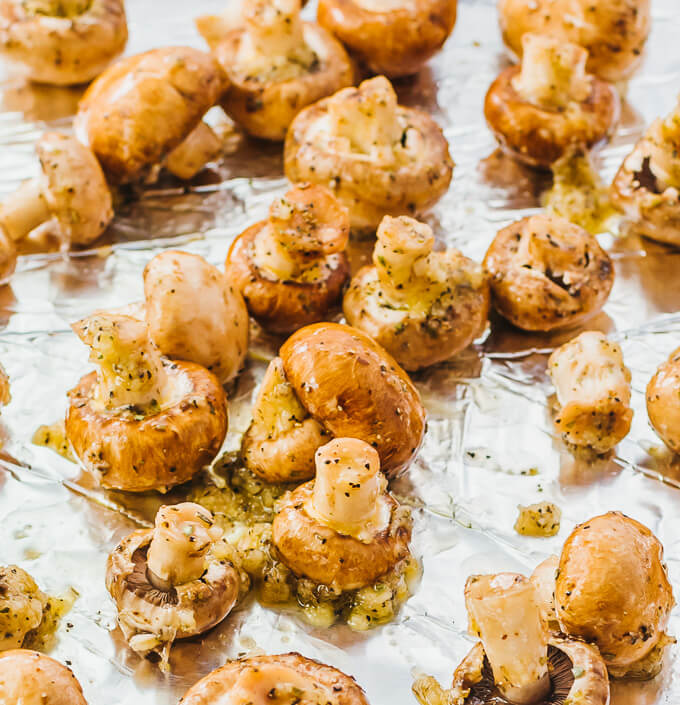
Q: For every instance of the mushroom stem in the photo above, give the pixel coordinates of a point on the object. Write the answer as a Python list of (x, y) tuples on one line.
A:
[(131, 372), (201, 146), (348, 484), (663, 140), (553, 72), (504, 613), (270, 255), (182, 537), (24, 210)]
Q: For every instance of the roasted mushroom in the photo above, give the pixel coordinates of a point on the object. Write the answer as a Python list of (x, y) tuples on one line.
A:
[(332, 380), (647, 184), (30, 678), (285, 678), (21, 606), (663, 408), (538, 111), (62, 42), (390, 37), (69, 201), (167, 583), (277, 65), (422, 306), (146, 111), (593, 391), (612, 590), (516, 661), (547, 273), (195, 313), (379, 158), (342, 529), (613, 32), (292, 267), (5, 392), (141, 422)]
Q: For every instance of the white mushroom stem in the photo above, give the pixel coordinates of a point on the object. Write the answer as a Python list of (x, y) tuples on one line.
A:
[(271, 255), (553, 72), (278, 410), (130, 369), (24, 210), (543, 579), (201, 146), (504, 613), (348, 485), (663, 150), (182, 538), (367, 116)]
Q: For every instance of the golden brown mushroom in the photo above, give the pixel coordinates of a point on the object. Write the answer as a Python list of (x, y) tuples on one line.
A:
[(612, 590), (285, 678), (593, 391), (277, 65), (663, 408), (141, 422), (62, 42), (146, 111), (547, 273), (195, 313), (378, 157), (541, 109), (391, 37), (613, 32), (332, 380), (516, 661), (167, 583), (292, 267), (21, 606), (422, 306), (69, 201), (342, 529), (647, 185), (30, 678)]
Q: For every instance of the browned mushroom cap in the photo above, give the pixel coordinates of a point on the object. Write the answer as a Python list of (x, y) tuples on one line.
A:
[(277, 65), (378, 157), (547, 273), (539, 136), (394, 38), (613, 32), (612, 590), (662, 396), (355, 389), (62, 42), (144, 106), (291, 268), (260, 680), (27, 677), (70, 200)]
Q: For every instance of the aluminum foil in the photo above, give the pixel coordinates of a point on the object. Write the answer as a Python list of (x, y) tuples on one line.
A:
[(490, 443)]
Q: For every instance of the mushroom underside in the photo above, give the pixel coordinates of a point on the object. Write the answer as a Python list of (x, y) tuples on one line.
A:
[(138, 581)]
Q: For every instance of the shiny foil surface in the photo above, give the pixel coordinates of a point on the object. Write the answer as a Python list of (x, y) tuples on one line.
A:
[(490, 443)]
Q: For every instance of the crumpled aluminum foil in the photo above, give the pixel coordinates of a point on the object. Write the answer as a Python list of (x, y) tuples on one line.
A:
[(490, 444)]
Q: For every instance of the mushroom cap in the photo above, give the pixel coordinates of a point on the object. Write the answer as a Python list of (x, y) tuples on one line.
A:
[(74, 188), (418, 339), (323, 685), (355, 389), (195, 313), (562, 278), (179, 612), (662, 398), (316, 551), (30, 678), (651, 210), (265, 109), (144, 106), (21, 606), (612, 588), (128, 452), (370, 190), (613, 32), (63, 50), (394, 39), (283, 306), (539, 137)]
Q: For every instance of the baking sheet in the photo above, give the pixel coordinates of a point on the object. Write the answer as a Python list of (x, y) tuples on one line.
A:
[(490, 443)]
